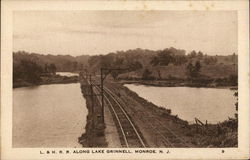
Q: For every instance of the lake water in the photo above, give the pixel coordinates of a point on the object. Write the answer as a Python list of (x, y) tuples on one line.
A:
[(67, 74), (48, 116), (211, 104)]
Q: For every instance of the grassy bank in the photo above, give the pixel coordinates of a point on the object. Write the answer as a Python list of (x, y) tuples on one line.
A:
[(94, 135), (181, 83), (220, 75), (223, 134), (51, 79)]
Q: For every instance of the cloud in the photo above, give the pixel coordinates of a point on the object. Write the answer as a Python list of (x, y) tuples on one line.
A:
[(26, 36), (80, 31), (96, 31), (67, 30)]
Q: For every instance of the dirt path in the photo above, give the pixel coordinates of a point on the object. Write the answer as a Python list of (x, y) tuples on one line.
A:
[(158, 127), (161, 129)]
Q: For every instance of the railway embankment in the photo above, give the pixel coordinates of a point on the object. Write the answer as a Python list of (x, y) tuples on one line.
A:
[(155, 126), (45, 80), (94, 135), (162, 129)]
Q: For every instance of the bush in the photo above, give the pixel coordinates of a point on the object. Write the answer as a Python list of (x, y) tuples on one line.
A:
[(146, 75), (233, 79)]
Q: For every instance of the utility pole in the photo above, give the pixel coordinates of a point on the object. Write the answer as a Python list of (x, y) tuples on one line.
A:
[(102, 93), (92, 110), (103, 76), (90, 94)]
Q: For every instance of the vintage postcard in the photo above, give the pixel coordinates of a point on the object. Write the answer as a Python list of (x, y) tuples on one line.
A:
[(124, 80)]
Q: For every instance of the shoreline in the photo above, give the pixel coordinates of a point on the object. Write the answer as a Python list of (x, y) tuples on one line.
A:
[(142, 112), (47, 80), (222, 134), (203, 131), (170, 83)]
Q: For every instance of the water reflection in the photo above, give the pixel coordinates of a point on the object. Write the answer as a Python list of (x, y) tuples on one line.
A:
[(48, 116), (214, 105), (68, 74)]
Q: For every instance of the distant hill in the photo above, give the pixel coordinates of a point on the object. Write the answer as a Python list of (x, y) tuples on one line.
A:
[(172, 71), (159, 64), (131, 59), (62, 62), (169, 62)]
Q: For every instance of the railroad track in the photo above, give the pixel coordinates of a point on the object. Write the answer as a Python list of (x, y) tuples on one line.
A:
[(167, 137), (128, 133)]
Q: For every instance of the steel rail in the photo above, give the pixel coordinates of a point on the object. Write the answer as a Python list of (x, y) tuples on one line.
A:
[(137, 134), (174, 134), (166, 141), (158, 131), (116, 116), (118, 120)]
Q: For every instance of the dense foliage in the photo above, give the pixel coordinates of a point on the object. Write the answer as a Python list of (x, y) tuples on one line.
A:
[(30, 67), (169, 63), (27, 70), (61, 62)]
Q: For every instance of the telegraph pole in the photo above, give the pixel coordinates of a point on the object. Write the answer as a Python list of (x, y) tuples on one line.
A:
[(103, 76), (102, 93), (92, 110)]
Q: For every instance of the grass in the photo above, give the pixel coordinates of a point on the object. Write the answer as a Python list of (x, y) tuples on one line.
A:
[(179, 72), (55, 79), (224, 134)]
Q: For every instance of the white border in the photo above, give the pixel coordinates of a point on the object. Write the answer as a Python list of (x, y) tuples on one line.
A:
[(7, 152)]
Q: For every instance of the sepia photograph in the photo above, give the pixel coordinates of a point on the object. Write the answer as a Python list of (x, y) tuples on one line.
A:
[(125, 79), (97, 80)]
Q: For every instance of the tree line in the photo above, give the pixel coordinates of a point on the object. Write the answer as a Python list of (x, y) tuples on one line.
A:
[(29, 67), (31, 72), (63, 63), (132, 60), (139, 58)]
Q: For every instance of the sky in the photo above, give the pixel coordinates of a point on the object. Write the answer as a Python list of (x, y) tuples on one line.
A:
[(101, 32)]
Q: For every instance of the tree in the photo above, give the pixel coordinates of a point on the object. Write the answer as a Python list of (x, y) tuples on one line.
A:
[(165, 57), (193, 71), (236, 105), (190, 69), (234, 58), (75, 64), (193, 54), (81, 66), (30, 71), (146, 74), (114, 74), (118, 61), (155, 61), (197, 66), (52, 68), (233, 79), (92, 60), (200, 54), (179, 60), (106, 61), (46, 68), (135, 65), (210, 60), (159, 73)]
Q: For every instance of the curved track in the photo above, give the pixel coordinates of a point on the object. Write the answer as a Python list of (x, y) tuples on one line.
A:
[(128, 133), (167, 137)]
